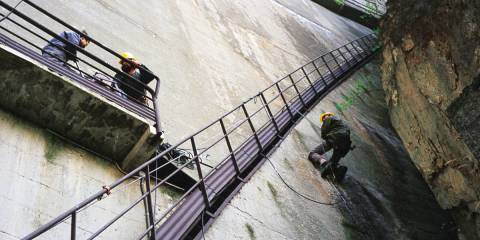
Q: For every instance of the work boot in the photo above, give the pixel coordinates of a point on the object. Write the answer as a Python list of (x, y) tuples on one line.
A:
[(339, 173)]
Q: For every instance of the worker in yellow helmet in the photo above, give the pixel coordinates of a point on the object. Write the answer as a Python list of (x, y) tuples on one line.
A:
[(336, 136), (134, 86)]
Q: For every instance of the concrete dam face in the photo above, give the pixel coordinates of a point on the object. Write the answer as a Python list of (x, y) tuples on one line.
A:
[(64, 139)]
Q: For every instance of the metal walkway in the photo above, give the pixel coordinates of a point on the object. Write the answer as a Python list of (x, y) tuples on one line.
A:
[(26, 35), (283, 104)]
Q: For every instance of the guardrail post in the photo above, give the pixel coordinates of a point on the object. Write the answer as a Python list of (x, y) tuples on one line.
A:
[(354, 57), (229, 145), (150, 204), (336, 61), (284, 100), (319, 73), (265, 104), (365, 47), (346, 60), (200, 175), (73, 230), (328, 67), (308, 79), (253, 128), (298, 92), (359, 54), (156, 106)]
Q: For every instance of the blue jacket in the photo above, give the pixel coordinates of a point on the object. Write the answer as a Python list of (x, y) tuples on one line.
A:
[(52, 46)]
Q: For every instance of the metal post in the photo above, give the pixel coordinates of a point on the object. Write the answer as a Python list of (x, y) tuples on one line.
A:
[(284, 100), (298, 92), (336, 61), (156, 107), (269, 112), (364, 48), (308, 79), (354, 57), (252, 127), (328, 67), (73, 231), (149, 204), (200, 175), (356, 50), (319, 73), (229, 145), (346, 60), (366, 45)]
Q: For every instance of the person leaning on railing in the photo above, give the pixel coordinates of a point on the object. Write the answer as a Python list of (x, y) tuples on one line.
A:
[(60, 52), (134, 90)]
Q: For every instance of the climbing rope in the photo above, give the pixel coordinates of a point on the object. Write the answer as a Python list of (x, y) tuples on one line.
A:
[(294, 190)]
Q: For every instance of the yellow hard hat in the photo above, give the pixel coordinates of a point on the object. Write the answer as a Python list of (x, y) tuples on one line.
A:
[(325, 114), (126, 55)]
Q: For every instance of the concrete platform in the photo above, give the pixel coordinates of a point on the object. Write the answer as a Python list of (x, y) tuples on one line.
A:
[(30, 90)]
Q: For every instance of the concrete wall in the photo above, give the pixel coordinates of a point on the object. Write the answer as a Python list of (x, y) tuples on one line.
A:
[(210, 54), (382, 197), (41, 176)]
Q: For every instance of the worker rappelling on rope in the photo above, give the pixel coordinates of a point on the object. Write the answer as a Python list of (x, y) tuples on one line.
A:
[(336, 136), (134, 90), (60, 52)]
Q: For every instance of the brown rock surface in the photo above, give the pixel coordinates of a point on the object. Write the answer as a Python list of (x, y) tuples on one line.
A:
[(431, 77)]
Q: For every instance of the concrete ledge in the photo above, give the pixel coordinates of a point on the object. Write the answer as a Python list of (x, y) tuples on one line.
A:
[(30, 90)]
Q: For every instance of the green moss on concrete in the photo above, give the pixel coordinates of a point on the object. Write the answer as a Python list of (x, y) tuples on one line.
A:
[(251, 231), (272, 190), (289, 165), (52, 147)]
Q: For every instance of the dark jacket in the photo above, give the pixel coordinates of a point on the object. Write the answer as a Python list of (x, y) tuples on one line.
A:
[(135, 89), (336, 132), (54, 46)]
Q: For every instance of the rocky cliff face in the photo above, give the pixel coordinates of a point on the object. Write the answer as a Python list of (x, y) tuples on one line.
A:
[(431, 76)]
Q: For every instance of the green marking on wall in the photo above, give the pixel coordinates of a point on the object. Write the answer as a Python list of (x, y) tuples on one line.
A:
[(250, 231), (272, 190)]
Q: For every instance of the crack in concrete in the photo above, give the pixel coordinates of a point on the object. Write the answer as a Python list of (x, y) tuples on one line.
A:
[(260, 221), (11, 235)]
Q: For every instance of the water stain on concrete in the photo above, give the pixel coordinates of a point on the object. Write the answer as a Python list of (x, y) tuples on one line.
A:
[(251, 231)]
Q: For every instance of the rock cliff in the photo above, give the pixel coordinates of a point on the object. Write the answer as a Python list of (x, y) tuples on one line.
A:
[(431, 66)]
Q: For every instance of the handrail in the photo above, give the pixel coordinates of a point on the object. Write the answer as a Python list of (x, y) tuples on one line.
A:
[(306, 92), (89, 59)]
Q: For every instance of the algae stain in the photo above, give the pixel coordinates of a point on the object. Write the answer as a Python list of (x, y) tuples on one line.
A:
[(53, 146), (251, 231), (273, 191), (299, 138), (289, 165)]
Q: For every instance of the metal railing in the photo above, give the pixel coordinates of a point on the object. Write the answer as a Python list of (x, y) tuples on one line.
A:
[(368, 7), (266, 116), (33, 36)]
